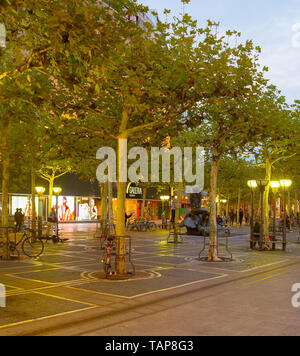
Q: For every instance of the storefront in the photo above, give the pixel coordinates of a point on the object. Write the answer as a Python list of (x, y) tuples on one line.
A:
[(70, 208)]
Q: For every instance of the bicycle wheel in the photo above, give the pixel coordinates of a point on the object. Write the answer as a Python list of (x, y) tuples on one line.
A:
[(33, 247), (106, 266), (152, 227), (14, 252)]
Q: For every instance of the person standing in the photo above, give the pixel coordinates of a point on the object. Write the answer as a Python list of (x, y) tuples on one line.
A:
[(231, 216), (53, 220), (19, 219), (127, 217), (247, 217), (241, 217)]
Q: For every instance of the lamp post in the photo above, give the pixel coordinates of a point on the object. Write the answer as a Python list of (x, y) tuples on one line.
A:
[(57, 191), (275, 186), (40, 191), (164, 198), (252, 185), (285, 184), (262, 183)]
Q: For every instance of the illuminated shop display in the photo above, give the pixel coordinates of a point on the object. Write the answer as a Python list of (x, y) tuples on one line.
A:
[(87, 209), (66, 208), (24, 203)]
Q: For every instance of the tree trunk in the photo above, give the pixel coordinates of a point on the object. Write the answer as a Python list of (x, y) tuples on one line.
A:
[(121, 268), (290, 209), (218, 204), (178, 203), (51, 185), (144, 202), (110, 206), (5, 191), (103, 188), (213, 236), (227, 207), (33, 207), (266, 202), (238, 208)]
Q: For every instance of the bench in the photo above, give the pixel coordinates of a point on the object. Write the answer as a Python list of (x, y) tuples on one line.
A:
[(271, 240)]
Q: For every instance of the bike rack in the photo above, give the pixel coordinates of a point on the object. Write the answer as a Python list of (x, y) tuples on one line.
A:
[(172, 234), (119, 256), (5, 237), (226, 247)]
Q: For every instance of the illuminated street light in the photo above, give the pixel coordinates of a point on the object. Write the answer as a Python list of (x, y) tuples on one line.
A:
[(252, 184), (275, 185), (286, 183), (40, 190), (57, 190)]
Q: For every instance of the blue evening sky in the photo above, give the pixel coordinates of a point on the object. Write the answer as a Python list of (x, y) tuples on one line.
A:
[(274, 25)]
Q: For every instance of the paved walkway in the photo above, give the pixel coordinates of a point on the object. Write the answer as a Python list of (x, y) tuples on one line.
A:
[(173, 294)]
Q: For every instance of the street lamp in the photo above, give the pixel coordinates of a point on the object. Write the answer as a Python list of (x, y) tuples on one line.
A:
[(262, 183), (252, 185), (40, 191), (285, 184), (275, 186), (57, 191)]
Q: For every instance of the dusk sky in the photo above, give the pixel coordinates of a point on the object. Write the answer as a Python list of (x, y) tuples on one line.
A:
[(274, 25)]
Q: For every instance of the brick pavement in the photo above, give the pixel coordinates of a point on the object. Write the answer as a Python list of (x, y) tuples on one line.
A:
[(61, 285)]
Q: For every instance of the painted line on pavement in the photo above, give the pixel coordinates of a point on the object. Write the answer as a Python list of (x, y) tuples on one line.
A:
[(180, 286), (45, 318), (67, 299)]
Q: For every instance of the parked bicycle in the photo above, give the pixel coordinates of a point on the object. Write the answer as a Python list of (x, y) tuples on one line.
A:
[(141, 225), (147, 225), (133, 225), (31, 246), (110, 245)]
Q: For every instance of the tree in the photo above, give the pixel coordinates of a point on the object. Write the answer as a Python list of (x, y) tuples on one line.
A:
[(277, 141), (232, 179), (143, 83), (230, 115), (38, 41), (50, 174), (18, 101)]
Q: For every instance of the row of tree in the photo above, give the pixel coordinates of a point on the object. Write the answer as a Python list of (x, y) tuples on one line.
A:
[(78, 75)]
